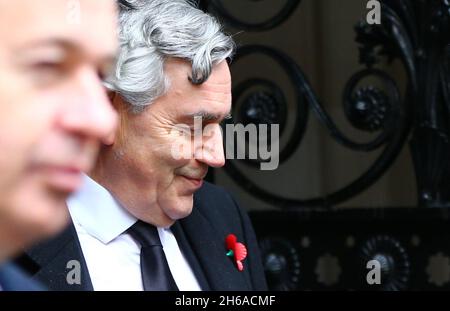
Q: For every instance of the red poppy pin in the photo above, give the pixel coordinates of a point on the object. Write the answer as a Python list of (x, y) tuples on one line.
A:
[(236, 250)]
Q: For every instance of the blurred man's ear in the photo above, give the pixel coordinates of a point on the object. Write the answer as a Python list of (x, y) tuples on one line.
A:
[(109, 139)]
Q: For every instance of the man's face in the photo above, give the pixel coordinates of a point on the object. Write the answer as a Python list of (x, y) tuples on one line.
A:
[(53, 108), (146, 142)]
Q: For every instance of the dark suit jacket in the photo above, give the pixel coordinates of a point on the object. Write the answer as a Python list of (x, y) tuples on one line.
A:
[(201, 237), (13, 279)]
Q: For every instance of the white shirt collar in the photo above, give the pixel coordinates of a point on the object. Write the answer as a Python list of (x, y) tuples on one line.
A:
[(98, 212)]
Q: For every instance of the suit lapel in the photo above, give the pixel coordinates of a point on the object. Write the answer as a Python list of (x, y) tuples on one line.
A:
[(59, 260), (208, 245)]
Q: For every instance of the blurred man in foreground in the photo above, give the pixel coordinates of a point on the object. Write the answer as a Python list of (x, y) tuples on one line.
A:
[(53, 113)]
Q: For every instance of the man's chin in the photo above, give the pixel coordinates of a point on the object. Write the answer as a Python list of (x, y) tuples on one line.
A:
[(44, 216), (181, 208)]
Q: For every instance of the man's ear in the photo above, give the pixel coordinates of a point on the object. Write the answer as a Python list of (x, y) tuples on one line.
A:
[(111, 137)]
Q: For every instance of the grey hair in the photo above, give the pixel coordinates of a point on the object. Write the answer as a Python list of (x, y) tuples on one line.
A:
[(152, 32)]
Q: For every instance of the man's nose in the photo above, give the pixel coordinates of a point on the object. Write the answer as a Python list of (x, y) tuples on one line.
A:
[(212, 149), (89, 112)]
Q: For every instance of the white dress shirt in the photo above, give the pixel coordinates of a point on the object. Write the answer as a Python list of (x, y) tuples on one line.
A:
[(111, 254)]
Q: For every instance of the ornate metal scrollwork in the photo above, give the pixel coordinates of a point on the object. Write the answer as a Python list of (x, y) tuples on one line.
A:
[(393, 261), (384, 108), (417, 32), (282, 263), (273, 108), (279, 17)]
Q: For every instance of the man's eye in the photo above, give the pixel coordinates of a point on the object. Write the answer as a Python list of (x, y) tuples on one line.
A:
[(102, 75), (44, 73), (47, 66), (104, 72), (181, 130)]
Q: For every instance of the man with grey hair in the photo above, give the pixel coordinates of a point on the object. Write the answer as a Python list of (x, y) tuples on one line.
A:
[(171, 72)]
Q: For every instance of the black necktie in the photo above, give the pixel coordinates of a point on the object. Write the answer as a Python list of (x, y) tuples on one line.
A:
[(155, 271)]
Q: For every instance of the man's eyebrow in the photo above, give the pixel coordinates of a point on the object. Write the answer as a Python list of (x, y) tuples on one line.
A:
[(109, 59), (50, 42), (208, 116)]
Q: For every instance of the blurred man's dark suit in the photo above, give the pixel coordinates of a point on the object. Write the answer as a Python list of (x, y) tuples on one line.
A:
[(13, 279), (201, 237)]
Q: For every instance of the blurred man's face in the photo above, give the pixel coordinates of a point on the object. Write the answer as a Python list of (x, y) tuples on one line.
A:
[(155, 185), (53, 108)]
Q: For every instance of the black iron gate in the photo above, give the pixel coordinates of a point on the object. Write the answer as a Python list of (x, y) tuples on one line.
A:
[(410, 244)]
